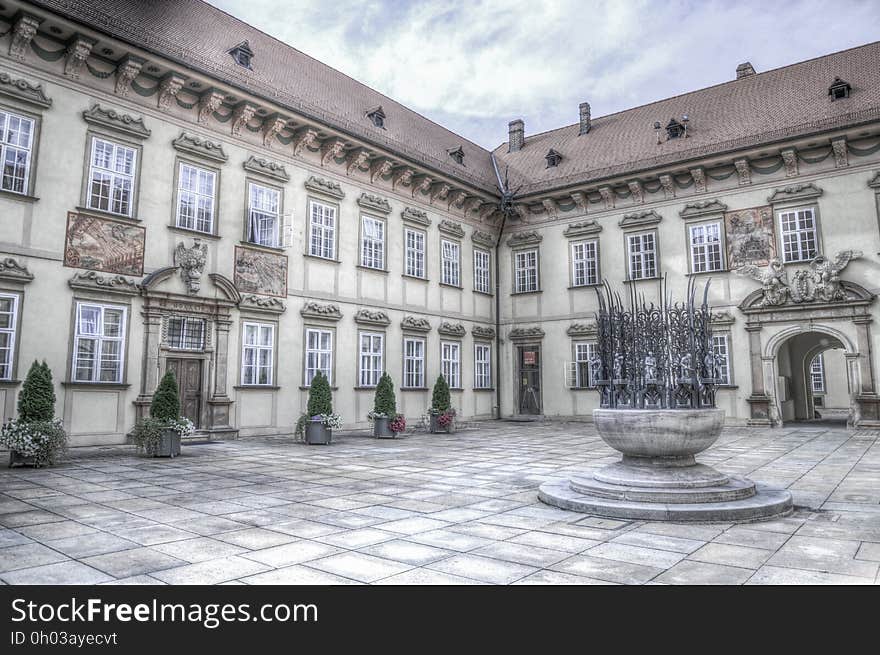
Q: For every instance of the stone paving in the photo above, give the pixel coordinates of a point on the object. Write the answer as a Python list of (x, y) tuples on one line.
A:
[(428, 509)]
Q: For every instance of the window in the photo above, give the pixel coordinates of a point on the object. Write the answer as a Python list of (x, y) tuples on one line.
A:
[(525, 268), (372, 242), (451, 258), (584, 263), (322, 226), (111, 177), (258, 354), (817, 374), (705, 247), (839, 89), (195, 198), (482, 366), (642, 256), (450, 363), (319, 354), (16, 142), (242, 54), (481, 271), (186, 333), (457, 155), (553, 158), (377, 116), (415, 252), (798, 235), (99, 343), (8, 328), (414, 363), (584, 351), (722, 358), (370, 368), (264, 214)]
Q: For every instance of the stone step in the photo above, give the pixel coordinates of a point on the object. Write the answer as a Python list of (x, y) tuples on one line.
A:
[(735, 489)]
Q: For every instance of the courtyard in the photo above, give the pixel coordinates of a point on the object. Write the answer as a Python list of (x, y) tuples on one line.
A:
[(428, 509)]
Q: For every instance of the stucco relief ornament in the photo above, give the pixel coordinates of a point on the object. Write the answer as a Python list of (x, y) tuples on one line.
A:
[(191, 262), (826, 280), (773, 279)]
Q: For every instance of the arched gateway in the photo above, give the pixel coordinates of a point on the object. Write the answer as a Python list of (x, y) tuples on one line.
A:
[(787, 330)]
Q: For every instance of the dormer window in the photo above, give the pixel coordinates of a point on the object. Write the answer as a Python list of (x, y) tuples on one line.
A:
[(676, 129), (242, 54), (839, 89), (377, 117), (457, 155), (553, 158)]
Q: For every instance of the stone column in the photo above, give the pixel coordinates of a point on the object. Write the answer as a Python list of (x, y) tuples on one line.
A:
[(759, 401), (150, 360), (867, 409), (219, 403)]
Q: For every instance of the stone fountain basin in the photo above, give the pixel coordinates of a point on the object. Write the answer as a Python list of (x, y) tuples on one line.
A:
[(659, 436)]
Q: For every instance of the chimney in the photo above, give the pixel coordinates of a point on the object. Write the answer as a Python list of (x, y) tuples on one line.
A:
[(517, 130), (585, 118), (745, 69)]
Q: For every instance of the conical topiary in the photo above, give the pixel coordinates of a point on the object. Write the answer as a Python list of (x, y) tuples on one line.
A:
[(320, 399), (37, 399), (166, 402), (440, 396), (385, 403)]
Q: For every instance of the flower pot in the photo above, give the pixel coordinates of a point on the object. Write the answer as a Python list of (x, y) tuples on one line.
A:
[(16, 459), (437, 428), (381, 429), (318, 434), (169, 445)]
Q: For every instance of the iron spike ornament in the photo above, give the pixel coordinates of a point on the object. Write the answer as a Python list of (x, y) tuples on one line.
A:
[(654, 357)]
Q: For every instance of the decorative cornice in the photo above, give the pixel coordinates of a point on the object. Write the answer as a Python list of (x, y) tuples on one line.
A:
[(272, 126), (331, 149), (402, 176), (483, 238), (241, 115), (12, 271), (328, 312), (699, 176), (78, 50), (303, 140), (355, 160), (744, 171), (451, 329), (262, 303), (703, 208), (451, 227), (797, 192), (530, 238), (112, 119), (607, 196), (209, 102), (640, 219), (440, 191), (92, 281), (422, 185), (526, 333), (413, 215), (668, 186), (327, 187), (374, 203), (838, 147), (128, 68), (723, 318), (21, 89), (266, 167), (589, 329), (637, 192), (483, 332), (380, 168), (169, 87), (23, 32), (789, 158), (583, 228), (414, 324), (200, 147), (372, 317), (579, 198)]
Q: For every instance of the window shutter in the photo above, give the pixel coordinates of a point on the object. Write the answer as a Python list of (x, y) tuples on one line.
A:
[(570, 372)]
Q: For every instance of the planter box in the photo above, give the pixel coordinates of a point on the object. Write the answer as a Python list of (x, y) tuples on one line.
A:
[(17, 459), (317, 434), (437, 428), (169, 446), (381, 429)]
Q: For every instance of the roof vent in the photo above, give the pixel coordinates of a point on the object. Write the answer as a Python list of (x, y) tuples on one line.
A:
[(745, 69), (517, 135), (585, 118), (377, 116), (242, 54), (839, 89), (553, 158), (457, 155)]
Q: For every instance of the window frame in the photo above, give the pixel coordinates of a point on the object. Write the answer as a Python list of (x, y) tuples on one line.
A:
[(457, 263), (573, 260), (591, 347), (406, 250), (817, 241), (186, 321), (175, 208), (30, 167), (330, 352), (628, 236), (273, 350), (487, 375), (376, 373), (311, 201), (722, 245), (13, 331), (122, 339), (726, 336), (515, 254), (362, 242), (406, 358), (279, 225), (91, 137), (488, 270), (457, 363), (821, 388)]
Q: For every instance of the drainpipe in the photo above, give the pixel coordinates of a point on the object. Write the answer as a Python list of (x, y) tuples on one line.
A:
[(503, 188)]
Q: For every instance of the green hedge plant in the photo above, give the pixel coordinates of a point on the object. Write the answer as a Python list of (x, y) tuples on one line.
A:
[(320, 398), (385, 404), (440, 395), (166, 402), (37, 399)]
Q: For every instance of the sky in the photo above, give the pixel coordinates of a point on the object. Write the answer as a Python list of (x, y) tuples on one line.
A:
[(475, 65)]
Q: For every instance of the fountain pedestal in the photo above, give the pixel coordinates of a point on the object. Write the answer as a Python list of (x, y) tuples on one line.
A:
[(658, 478)]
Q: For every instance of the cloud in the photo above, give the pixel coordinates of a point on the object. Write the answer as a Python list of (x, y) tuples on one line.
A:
[(473, 66)]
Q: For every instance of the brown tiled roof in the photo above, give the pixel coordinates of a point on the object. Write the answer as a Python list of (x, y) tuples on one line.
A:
[(199, 36), (777, 104)]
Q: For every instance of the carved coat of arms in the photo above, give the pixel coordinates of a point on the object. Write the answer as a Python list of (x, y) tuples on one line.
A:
[(191, 262)]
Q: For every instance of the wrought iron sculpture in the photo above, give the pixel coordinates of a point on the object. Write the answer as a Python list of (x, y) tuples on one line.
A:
[(652, 357)]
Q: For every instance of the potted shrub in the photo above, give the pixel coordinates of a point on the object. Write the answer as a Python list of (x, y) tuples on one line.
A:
[(384, 408), (319, 421), (36, 438), (159, 435), (442, 415)]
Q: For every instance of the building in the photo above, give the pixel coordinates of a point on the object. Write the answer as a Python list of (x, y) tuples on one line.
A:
[(182, 191)]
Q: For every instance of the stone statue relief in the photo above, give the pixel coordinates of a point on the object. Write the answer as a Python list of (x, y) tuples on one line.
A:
[(821, 283), (191, 262), (773, 279), (650, 368)]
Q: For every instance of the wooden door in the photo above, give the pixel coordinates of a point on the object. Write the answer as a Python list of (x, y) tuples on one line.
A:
[(189, 386)]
